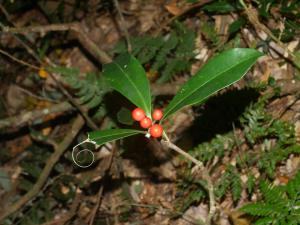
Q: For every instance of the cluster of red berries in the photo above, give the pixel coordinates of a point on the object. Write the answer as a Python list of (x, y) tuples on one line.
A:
[(155, 130)]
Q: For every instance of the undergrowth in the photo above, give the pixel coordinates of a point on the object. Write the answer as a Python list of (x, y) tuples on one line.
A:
[(89, 88), (166, 55), (279, 204), (268, 143)]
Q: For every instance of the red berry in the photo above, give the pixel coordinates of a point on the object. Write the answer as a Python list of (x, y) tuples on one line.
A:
[(138, 114), (156, 130), (157, 114), (146, 122)]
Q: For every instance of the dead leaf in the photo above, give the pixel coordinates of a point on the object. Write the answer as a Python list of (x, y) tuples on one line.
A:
[(173, 9)]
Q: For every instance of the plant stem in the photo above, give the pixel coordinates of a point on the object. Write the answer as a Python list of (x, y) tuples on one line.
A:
[(206, 176)]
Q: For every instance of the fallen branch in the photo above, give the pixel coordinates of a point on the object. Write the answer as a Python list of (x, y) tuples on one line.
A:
[(73, 101), (35, 116), (83, 38), (59, 149), (258, 26)]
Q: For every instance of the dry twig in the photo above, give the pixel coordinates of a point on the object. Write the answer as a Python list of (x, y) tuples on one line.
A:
[(59, 149), (30, 117), (84, 39), (206, 176), (254, 20)]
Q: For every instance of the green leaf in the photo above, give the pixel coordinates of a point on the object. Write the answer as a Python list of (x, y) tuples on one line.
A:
[(219, 7), (220, 72), (124, 116), (127, 76), (236, 25), (103, 136), (258, 209)]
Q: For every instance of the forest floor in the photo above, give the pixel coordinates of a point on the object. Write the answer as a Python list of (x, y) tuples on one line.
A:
[(246, 134)]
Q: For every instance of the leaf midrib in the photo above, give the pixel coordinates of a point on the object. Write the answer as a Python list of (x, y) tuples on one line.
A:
[(140, 94), (205, 84)]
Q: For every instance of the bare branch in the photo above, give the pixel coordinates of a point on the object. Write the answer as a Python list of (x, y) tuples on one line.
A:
[(31, 117), (58, 151), (99, 54)]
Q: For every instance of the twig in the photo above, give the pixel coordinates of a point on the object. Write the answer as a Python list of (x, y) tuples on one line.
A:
[(81, 109), (99, 194), (206, 176), (99, 54), (67, 216), (28, 92), (19, 60), (58, 151), (30, 117), (194, 6), (253, 19), (187, 218), (61, 27), (123, 25)]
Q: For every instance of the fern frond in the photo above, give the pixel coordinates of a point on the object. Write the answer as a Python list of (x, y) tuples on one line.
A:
[(168, 55), (147, 54), (250, 183), (224, 183), (293, 187), (258, 209), (167, 73), (236, 187), (271, 194), (89, 90), (264, 221), (160, 59)]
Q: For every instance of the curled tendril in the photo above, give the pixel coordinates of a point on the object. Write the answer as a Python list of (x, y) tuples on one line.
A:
[(76, 154)]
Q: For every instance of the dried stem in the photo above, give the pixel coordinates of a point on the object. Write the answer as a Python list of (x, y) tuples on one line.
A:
[(254, 20), (18, 60), (206, 176)]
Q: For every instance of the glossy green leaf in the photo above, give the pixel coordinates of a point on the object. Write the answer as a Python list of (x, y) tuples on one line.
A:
[(103, 136), (127, 76), (220, 72), (219, 7)]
